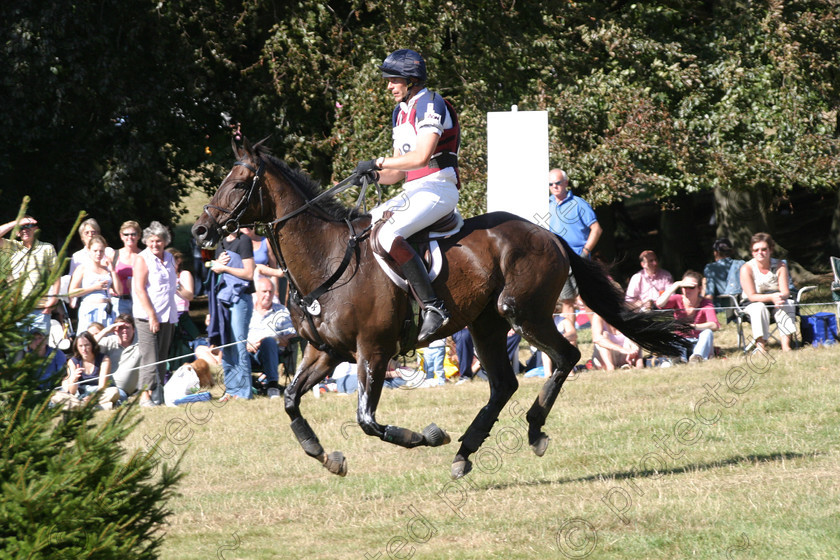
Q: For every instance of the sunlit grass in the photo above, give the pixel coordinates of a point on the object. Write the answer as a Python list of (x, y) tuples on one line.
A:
[(632, 470)]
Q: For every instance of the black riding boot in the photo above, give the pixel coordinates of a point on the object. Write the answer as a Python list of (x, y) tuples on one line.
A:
[(435, 314)]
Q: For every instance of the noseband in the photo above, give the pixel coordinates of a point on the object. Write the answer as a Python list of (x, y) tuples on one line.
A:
[(232, 224)]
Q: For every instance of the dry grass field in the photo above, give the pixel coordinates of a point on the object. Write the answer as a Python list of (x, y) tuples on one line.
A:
[(734, 458)]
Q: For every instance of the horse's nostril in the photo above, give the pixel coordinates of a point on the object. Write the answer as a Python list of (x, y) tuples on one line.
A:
[(199, 231)]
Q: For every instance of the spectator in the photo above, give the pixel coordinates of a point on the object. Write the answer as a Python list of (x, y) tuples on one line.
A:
[(765, 282), (87, 230), (31, 262), (230, 312), (185, 285), (723, 275), (88, 371), (565, 325), (155, 314), (265, 265), (124, 264), (611, 348), (433, 358), (691, 307), (646, 285), (269, 333), (54, 359), (91, 284), (465, 351), (119, 343), (574, 220), (188, 380)]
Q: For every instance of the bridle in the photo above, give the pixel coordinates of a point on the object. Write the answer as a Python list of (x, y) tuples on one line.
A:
[(232, 225), (308, 303)]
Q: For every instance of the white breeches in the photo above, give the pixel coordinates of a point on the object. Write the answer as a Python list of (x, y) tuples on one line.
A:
[(421, 203)]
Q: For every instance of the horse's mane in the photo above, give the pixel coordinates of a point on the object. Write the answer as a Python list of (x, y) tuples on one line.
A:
[(330, 205)]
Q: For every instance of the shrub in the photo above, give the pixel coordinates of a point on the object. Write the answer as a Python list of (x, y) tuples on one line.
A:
[(70, 489)]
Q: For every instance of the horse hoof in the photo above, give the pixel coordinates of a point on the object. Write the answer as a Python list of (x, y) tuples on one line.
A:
[(336, 463), (461, 468), (541, 444), (435, 436)]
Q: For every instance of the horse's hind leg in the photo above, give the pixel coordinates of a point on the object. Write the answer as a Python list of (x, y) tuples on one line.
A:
[(489, 333), (544, 335), (314, 367)]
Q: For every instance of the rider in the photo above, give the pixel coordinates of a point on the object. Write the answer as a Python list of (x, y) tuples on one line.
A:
[(426, 140)]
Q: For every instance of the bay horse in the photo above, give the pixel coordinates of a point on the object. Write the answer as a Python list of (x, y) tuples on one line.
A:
[(500, 271)]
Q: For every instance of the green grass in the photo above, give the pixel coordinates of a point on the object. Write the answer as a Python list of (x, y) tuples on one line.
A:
[(761, 481)]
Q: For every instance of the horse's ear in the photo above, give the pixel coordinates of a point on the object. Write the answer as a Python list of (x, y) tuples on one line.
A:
[(246, 145), (235, 147), (259, 145)]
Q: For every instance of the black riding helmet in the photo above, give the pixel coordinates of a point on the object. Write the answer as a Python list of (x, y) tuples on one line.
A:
[(405, 63)]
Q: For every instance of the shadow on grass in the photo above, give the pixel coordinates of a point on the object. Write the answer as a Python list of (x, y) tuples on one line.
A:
[(741, 459)]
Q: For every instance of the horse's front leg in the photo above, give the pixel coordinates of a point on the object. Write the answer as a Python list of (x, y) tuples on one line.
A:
[(371, 373), (314, 367)]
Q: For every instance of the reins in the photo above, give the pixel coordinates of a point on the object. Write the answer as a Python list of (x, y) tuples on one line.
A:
[(309, 303)]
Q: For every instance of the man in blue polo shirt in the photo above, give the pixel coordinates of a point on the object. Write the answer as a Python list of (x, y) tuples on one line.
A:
[(575, 221)]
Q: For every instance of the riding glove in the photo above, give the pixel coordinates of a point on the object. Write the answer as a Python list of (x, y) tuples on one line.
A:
[(367, 168)]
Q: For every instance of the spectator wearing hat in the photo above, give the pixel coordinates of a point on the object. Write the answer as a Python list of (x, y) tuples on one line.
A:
[(721, 277), (31, 261)]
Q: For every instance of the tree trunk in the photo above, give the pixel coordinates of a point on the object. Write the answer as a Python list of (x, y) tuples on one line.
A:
[(681, 248), (740, 214)]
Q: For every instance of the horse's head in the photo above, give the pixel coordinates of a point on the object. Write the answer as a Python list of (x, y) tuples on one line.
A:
[(238, 201)]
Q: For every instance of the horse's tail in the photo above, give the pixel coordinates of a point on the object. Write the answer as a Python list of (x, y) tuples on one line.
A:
[(656, 332)]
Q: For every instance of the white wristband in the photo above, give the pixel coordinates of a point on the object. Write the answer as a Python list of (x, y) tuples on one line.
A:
[(379, 162)]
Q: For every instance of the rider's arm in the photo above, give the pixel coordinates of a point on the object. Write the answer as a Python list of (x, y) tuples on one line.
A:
[(394, 167)]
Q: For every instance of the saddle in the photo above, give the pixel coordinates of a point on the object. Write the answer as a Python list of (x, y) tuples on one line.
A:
[(424, 242)]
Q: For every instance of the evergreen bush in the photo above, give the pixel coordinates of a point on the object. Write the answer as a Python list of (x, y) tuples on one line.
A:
[(70, 489)]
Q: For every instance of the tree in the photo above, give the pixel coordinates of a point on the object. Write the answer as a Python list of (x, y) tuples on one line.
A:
[(70, 490)]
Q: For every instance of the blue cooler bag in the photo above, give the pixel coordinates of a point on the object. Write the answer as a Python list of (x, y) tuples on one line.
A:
[(819, 328)]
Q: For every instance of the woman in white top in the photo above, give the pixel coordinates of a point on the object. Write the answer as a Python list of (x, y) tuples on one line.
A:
[(155, 312), (765, 282), (91, 283)]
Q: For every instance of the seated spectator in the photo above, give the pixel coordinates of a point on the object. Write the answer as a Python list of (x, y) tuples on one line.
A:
[(765, 282), (88, 371), (269, 332), (611, 348), (119, 343), (565, 325), (188, 380), (722, 277), (91, 283), (689, 306), (646, 285), (54, 359)]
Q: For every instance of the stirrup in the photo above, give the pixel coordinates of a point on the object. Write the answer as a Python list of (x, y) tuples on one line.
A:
[(435, 317)]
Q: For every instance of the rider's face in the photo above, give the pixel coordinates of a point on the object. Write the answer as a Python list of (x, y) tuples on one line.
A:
[(398, 88)]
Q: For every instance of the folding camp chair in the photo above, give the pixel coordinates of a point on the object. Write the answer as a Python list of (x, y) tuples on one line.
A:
[(740, 316), (835, 285)]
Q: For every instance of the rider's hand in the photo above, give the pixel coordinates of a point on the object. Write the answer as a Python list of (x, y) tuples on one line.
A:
[(367, 168)]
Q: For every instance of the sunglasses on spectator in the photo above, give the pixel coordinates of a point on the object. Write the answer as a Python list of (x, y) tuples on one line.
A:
[(129, 234), (555, 183), (28, 226)]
